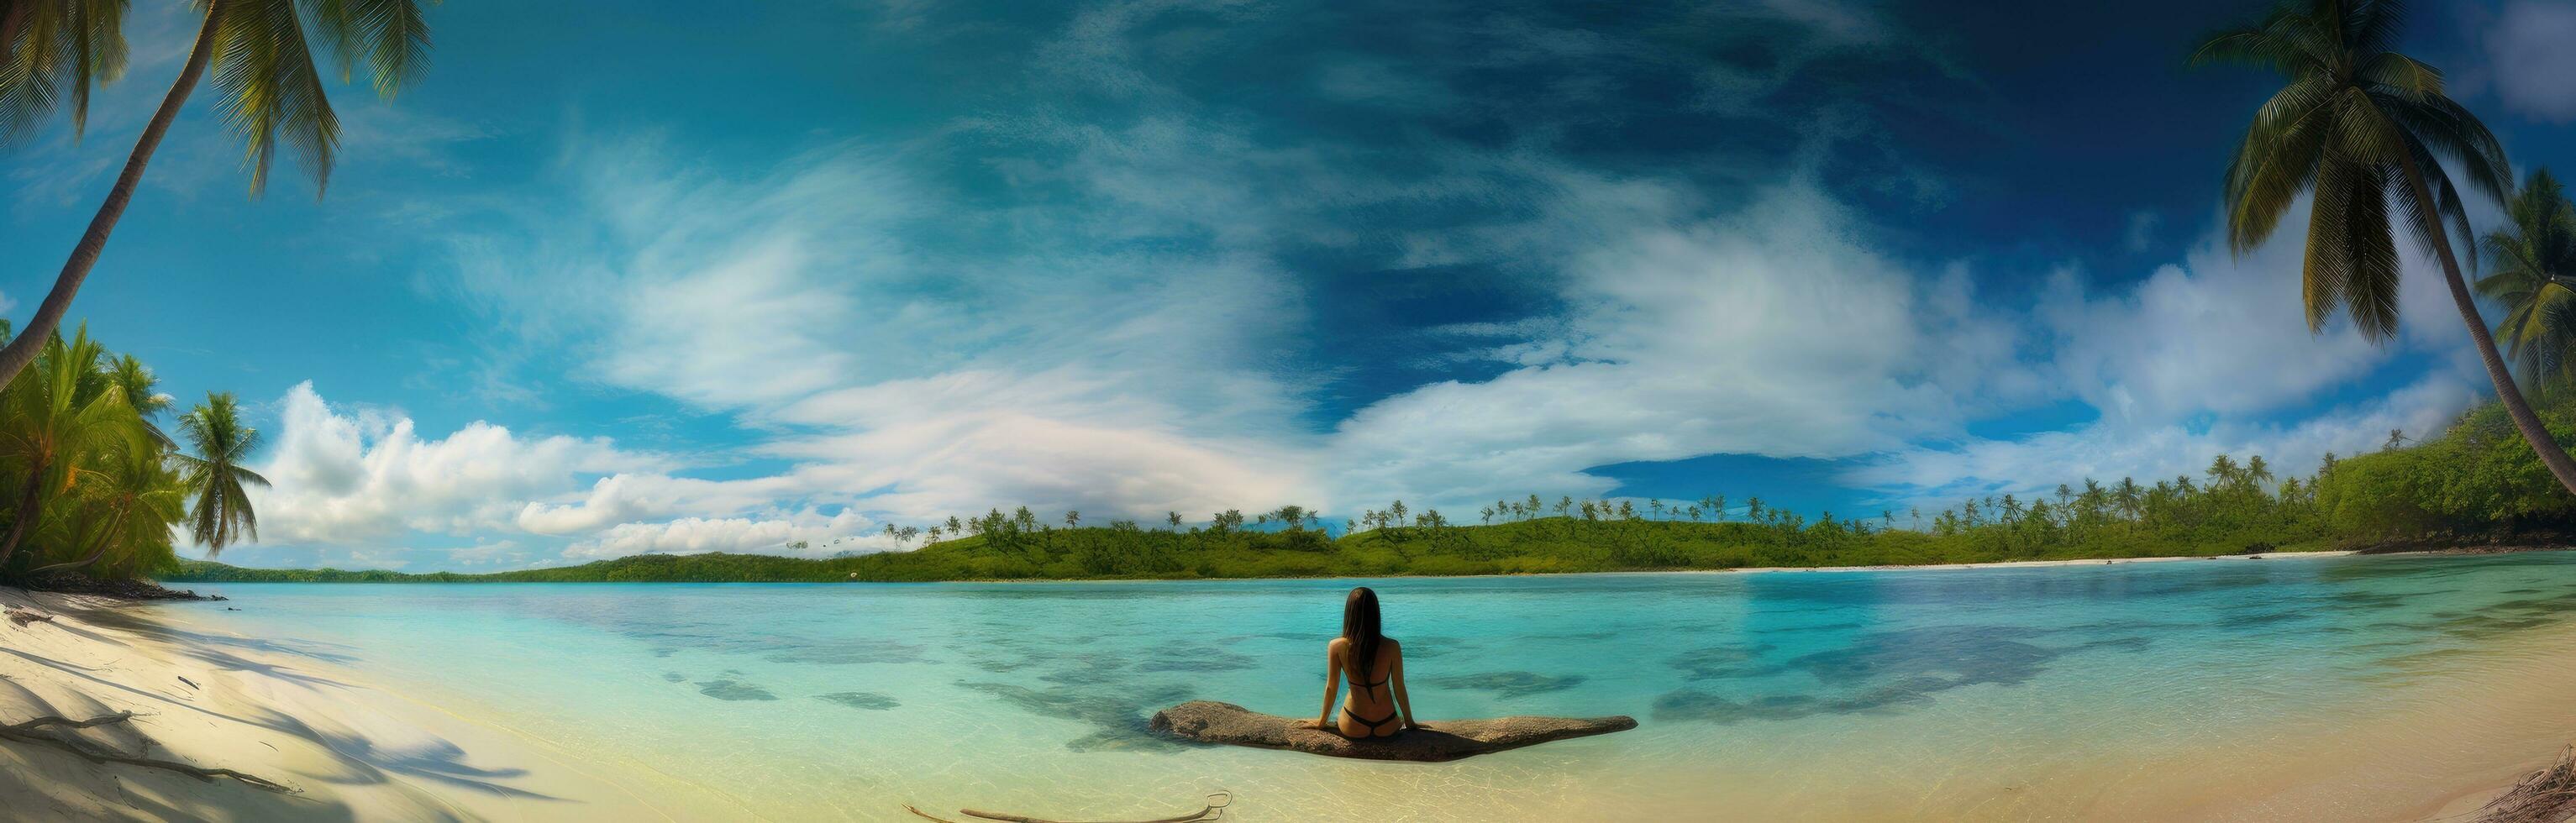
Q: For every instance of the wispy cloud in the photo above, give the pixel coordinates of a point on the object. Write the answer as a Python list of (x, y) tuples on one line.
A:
[(2533, 70)]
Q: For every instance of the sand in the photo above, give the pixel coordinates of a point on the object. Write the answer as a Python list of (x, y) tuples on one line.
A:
[(350, 751)]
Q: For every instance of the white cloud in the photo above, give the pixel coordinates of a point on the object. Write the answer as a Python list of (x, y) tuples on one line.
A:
[(1936, 477), (1774, 330), (2179, 363), (623, 497), (366, 474), (823, 535), (2533, 68), (899, 378)]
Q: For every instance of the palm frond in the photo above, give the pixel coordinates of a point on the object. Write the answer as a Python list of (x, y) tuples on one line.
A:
[(391, 35), (2277, 158), (270, 91), (2370, 289)]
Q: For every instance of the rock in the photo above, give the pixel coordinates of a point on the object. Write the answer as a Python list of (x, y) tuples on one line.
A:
[(1207, 721), (77, 583)]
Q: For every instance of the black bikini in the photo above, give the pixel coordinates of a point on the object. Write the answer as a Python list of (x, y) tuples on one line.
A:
[(1356, 685)]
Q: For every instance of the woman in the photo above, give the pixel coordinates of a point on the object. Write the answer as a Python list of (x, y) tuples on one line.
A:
[(1374, 663)]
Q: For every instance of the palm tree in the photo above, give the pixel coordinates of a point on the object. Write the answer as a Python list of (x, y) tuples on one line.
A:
[(2531, 269), (51, 417), (215, 475), (50, 48), (271, 92), (2359, 125), (138, 383), (137, 497)]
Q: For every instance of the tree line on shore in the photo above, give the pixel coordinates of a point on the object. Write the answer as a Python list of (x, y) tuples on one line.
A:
[(2475, 482)]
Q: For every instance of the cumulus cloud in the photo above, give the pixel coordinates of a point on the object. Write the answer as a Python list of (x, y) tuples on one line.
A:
[(2533, 68), (349, 475), (2219, 333)]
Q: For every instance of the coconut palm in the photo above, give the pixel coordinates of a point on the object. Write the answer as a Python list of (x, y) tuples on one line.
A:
[(133, 498), (2531, 269), (139, 383), (52, 417), (215, 475), (2360, 127), (262, 54), (50, 49)]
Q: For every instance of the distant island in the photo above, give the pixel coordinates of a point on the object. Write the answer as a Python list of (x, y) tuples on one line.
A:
[(2473, 485)]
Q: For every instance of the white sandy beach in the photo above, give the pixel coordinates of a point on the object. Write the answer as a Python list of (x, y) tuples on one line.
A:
[(348, 750)]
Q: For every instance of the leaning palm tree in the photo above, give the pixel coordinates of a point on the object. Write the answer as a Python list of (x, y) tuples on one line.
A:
[(54, 415), (263, 61), (215, 475), (2361, 127), (2531, 269), (51, 49)]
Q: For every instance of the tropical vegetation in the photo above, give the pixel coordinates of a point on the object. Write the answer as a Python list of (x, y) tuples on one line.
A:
[(2529, 262), (92, 485), (2360, 127)]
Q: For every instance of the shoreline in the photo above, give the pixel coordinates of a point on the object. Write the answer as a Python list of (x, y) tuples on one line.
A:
[(1997, 564), (2034, 564), (335, 746)]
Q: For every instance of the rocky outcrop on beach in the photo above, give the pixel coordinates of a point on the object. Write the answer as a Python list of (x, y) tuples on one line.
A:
[(71, 583), (1207, 721)]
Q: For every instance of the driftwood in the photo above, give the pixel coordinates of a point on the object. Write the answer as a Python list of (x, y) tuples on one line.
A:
[(1207, 721), (29, 732), (1214, 810), (2545, 796), (25, 616)]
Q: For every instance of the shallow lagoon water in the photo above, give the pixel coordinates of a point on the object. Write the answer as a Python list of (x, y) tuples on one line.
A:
[(2076, 691)]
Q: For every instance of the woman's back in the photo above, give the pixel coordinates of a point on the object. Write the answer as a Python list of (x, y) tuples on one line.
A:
[(1374, 666)]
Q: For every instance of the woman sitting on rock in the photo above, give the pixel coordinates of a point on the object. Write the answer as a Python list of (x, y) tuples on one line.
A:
[(1375, 665)]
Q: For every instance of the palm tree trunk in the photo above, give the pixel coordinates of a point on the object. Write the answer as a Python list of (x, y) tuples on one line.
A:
[(49, 314), (2560, 465), (27, 501)]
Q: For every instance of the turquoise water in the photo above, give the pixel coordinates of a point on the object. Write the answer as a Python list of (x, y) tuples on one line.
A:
[(1952, 690)]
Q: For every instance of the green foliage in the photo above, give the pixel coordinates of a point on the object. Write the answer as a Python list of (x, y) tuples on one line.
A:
[(215, 432), (2357, 126), (2528, 261), (2476, 478), (60, 49), (2231, 512), (90, 483)]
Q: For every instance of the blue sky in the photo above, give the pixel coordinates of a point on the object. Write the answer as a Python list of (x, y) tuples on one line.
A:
[(628, 277)]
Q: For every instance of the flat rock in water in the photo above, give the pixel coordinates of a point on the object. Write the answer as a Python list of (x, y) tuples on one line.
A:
[(1207, 721)]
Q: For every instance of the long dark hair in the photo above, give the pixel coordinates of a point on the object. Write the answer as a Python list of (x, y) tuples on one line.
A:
[(1360, 625)]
